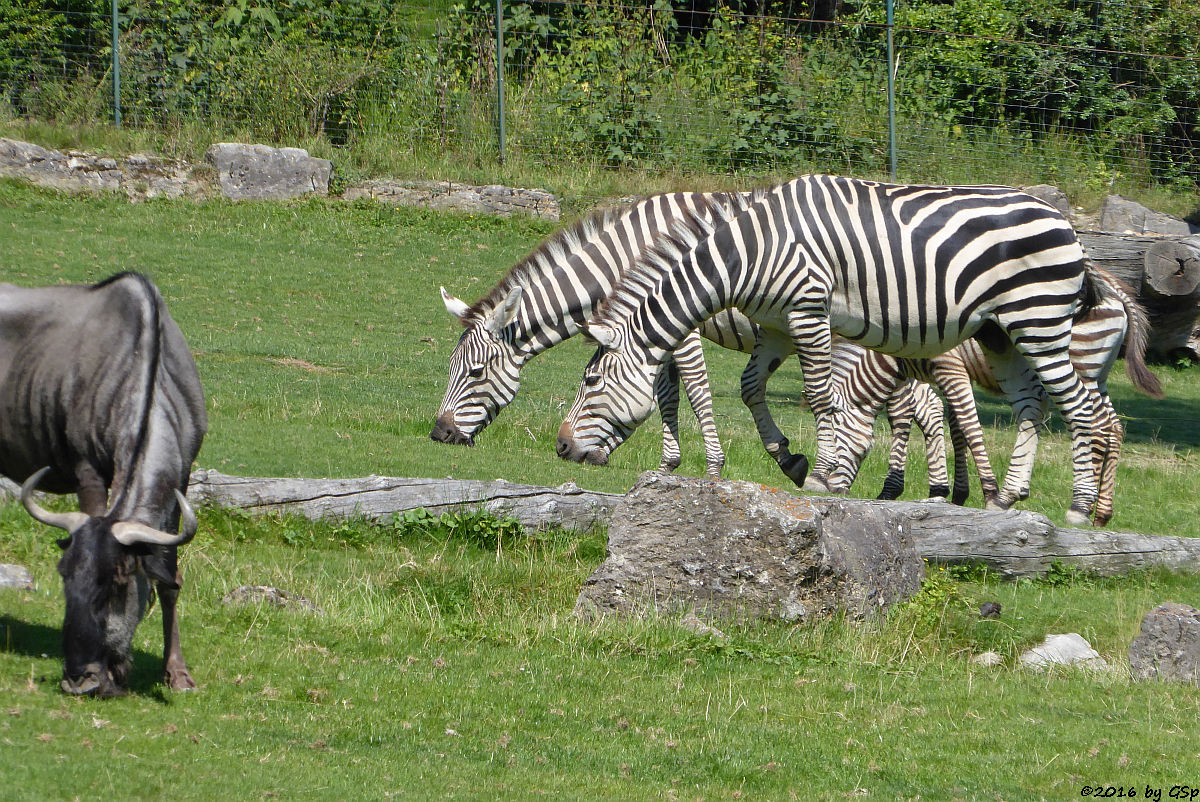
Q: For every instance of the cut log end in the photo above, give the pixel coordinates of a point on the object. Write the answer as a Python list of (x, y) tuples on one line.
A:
[(1172, 268)]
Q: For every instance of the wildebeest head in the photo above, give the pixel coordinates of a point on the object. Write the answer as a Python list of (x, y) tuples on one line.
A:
[(105, 567)]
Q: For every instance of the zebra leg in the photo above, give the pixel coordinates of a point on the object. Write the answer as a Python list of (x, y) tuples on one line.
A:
[(962, 479), (689, 360), (769, 352), (901, 407), (930, 419), (1113, 435), (1028, 400), (1047, 357), (813, 342), (951, 376), (666, 391)]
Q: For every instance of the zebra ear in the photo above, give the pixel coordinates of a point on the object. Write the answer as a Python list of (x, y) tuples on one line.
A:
[(505, 312), (604, 335), (453, 305)]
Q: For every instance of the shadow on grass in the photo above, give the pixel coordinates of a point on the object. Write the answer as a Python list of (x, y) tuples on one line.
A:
[(1147, 420), (39, 641)]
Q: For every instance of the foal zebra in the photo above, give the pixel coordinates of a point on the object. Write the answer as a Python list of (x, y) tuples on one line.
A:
[(907, 270)]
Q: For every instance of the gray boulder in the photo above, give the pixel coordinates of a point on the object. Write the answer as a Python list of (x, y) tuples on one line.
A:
[(1168, 646), (741, 550), (1120, 215), (15, 576), (139, 176), (1053, 196), (260, 172), (493, 199)]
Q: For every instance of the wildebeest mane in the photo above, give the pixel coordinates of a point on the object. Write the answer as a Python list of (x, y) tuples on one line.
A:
[(146, 354)]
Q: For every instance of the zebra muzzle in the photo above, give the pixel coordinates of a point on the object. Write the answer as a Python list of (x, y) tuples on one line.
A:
[(569, 449), (445, 431)]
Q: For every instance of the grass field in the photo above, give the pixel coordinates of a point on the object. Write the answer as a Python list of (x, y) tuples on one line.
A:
[(446, 662)]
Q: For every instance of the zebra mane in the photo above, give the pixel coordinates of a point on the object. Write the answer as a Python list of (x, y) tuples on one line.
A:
[(668, 250), (544, 259)]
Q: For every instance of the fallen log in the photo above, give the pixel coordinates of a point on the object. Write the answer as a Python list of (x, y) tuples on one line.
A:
[(1164, 274), (1017, 543), (1013, 543), (379, 497)]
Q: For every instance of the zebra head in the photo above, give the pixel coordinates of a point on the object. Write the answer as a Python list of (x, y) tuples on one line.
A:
[(485, 369), (616, 395)]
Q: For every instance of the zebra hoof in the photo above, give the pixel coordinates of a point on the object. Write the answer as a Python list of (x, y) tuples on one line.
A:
[(817, 484), (795, 468), (996, 505), (959, 499), (1076, 518)]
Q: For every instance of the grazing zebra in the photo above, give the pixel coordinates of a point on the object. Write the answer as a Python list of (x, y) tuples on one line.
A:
[(1096, 341), (907, 270), (545, 299)]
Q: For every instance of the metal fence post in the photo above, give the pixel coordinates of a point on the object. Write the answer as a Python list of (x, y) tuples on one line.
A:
[(500, 75), (891, 90), (116, 68)]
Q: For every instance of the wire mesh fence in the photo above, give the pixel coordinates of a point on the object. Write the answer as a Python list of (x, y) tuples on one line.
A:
[(984, 89)]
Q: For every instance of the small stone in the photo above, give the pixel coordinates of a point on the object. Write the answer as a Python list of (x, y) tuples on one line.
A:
[(15, 576), (1068, 649), (988, 659), (989, 610), (693, 623), (270, 595)]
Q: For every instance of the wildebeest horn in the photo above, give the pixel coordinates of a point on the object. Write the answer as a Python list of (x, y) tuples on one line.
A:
[(128, 533), (70, 521)]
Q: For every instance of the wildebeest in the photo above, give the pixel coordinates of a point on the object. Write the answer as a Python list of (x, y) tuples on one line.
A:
[(99, 396)]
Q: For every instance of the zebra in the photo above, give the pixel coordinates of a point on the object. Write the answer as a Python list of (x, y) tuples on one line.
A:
[(546, 298), (543, 300), (908, 270), (1096, 341)]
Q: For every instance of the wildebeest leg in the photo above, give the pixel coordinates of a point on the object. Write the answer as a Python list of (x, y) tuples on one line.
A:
[(175, 670)]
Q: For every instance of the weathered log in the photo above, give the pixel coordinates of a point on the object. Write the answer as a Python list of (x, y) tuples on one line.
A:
[(380, 497), (1164, 273), (1012, 542), (1018, 543), (1171, 294)]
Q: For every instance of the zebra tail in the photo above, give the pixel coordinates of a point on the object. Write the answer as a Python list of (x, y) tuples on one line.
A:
[(1094, 287), (1137, 339)]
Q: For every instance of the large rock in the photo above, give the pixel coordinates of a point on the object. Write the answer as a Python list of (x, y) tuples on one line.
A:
[(1120, 215), (493, 199), (1168, 647), (139, 176), (260, 172), (1053, 196), (741, 550)]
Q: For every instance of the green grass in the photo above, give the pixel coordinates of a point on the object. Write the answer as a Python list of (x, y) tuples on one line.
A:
[(446, 664)]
